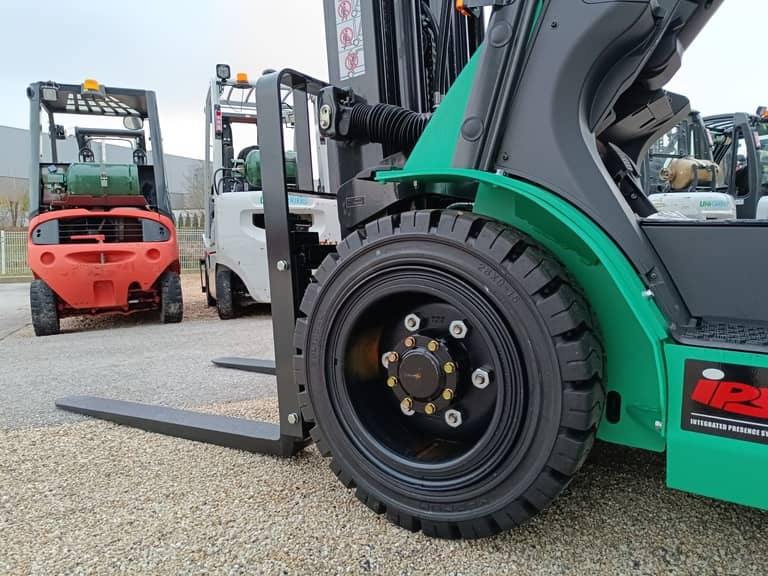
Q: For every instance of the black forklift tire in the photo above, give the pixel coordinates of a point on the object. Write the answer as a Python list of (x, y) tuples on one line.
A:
[(171, 298), (45, 311), (531, 327), (210, 301), (225, 297)]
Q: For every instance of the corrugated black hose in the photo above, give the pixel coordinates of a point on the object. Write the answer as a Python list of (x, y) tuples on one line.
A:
[(386, 124)]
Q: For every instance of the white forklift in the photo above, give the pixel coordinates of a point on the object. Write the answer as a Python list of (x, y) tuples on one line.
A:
[(234, 270)]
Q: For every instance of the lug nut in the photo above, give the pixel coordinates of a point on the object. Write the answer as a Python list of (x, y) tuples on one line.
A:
[(406, 404), (449, 367), (453, 418), (433, 346), (412, 322), (392, 381), (481, 378), (410, 342), (430, 408), (393, 357), (458, 329), (447, 394)]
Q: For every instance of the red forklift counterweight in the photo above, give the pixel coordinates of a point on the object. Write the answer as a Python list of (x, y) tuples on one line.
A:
[(96, 274)]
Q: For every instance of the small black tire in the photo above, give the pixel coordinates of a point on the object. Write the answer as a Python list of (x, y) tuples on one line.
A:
[(225, 297), (210, 301), (529, 318), (45, 310), (171, 299)]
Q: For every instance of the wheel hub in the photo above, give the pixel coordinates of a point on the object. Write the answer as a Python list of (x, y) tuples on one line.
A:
[(420, 374), (423, 374)]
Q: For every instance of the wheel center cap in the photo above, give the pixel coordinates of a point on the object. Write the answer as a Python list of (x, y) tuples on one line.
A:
[(420, 374)]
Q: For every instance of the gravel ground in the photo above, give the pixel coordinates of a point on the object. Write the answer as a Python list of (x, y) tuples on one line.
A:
[(81, 496), (95, 498)]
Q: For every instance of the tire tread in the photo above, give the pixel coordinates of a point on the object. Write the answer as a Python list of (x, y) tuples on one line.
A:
[(569, 322)]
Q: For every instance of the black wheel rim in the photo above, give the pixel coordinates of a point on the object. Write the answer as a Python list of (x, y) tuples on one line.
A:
[(422, 452)]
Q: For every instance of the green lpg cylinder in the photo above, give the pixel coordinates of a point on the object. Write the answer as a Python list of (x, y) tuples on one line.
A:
[(253, 168), (92, 179)]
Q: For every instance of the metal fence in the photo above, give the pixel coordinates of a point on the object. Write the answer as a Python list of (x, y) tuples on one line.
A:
[(13, 251)]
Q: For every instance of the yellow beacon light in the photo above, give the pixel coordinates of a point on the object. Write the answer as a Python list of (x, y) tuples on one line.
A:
[(242, 78), (91, 85)]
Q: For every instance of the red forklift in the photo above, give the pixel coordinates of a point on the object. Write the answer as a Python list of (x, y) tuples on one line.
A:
[(102, 238)]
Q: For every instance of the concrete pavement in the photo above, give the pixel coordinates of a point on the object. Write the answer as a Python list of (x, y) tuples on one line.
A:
[(14, 308)]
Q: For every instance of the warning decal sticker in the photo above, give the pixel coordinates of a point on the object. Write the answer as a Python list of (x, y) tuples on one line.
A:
[(349, 34), (728, 400)]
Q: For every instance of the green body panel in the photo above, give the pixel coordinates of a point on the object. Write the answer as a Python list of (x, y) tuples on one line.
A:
[(724, 468), (92, 179), (253, 168), (434, 150), (631, 326)]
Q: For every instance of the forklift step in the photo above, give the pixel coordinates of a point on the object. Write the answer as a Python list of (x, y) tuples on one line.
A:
[(732, 334), (246, 364), (248, 435)]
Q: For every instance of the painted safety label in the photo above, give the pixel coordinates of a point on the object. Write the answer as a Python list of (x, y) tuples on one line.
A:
[(729, 400), (292, 200), (349, 37)]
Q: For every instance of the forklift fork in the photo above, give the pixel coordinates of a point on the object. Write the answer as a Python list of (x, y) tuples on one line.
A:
[(289, 275)]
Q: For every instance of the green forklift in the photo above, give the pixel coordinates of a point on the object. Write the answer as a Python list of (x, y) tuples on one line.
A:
[(505, 293)]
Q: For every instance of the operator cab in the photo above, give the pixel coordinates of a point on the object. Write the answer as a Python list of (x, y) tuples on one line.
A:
[(107, 161), (231, 135)]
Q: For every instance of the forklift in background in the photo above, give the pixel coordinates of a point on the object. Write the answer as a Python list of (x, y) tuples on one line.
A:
[(740, 148), (102, 239), (681, 177), (503, 294), (711, 168), (234, 269)]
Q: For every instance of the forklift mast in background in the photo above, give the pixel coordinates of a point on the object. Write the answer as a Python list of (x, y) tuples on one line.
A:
[(404, 53)]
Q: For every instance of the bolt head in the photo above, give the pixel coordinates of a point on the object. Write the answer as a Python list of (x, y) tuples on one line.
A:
[(392, 381), (458, 329), (393, 357), (453, 418), (412, 322), (658, 425), (447, 394), (433, 346), (406, 406), (481, 378), (449, 367), (282, 265), (384, 361), (430, 408), (293, 418), (410, 342)]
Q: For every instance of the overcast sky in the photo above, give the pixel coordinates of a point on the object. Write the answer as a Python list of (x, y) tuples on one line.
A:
[(172, 47)]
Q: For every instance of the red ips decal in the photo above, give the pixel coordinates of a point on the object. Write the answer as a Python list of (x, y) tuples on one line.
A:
[(732, 397)]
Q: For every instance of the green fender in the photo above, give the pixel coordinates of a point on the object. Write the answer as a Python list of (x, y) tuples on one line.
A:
[(631, 326)]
